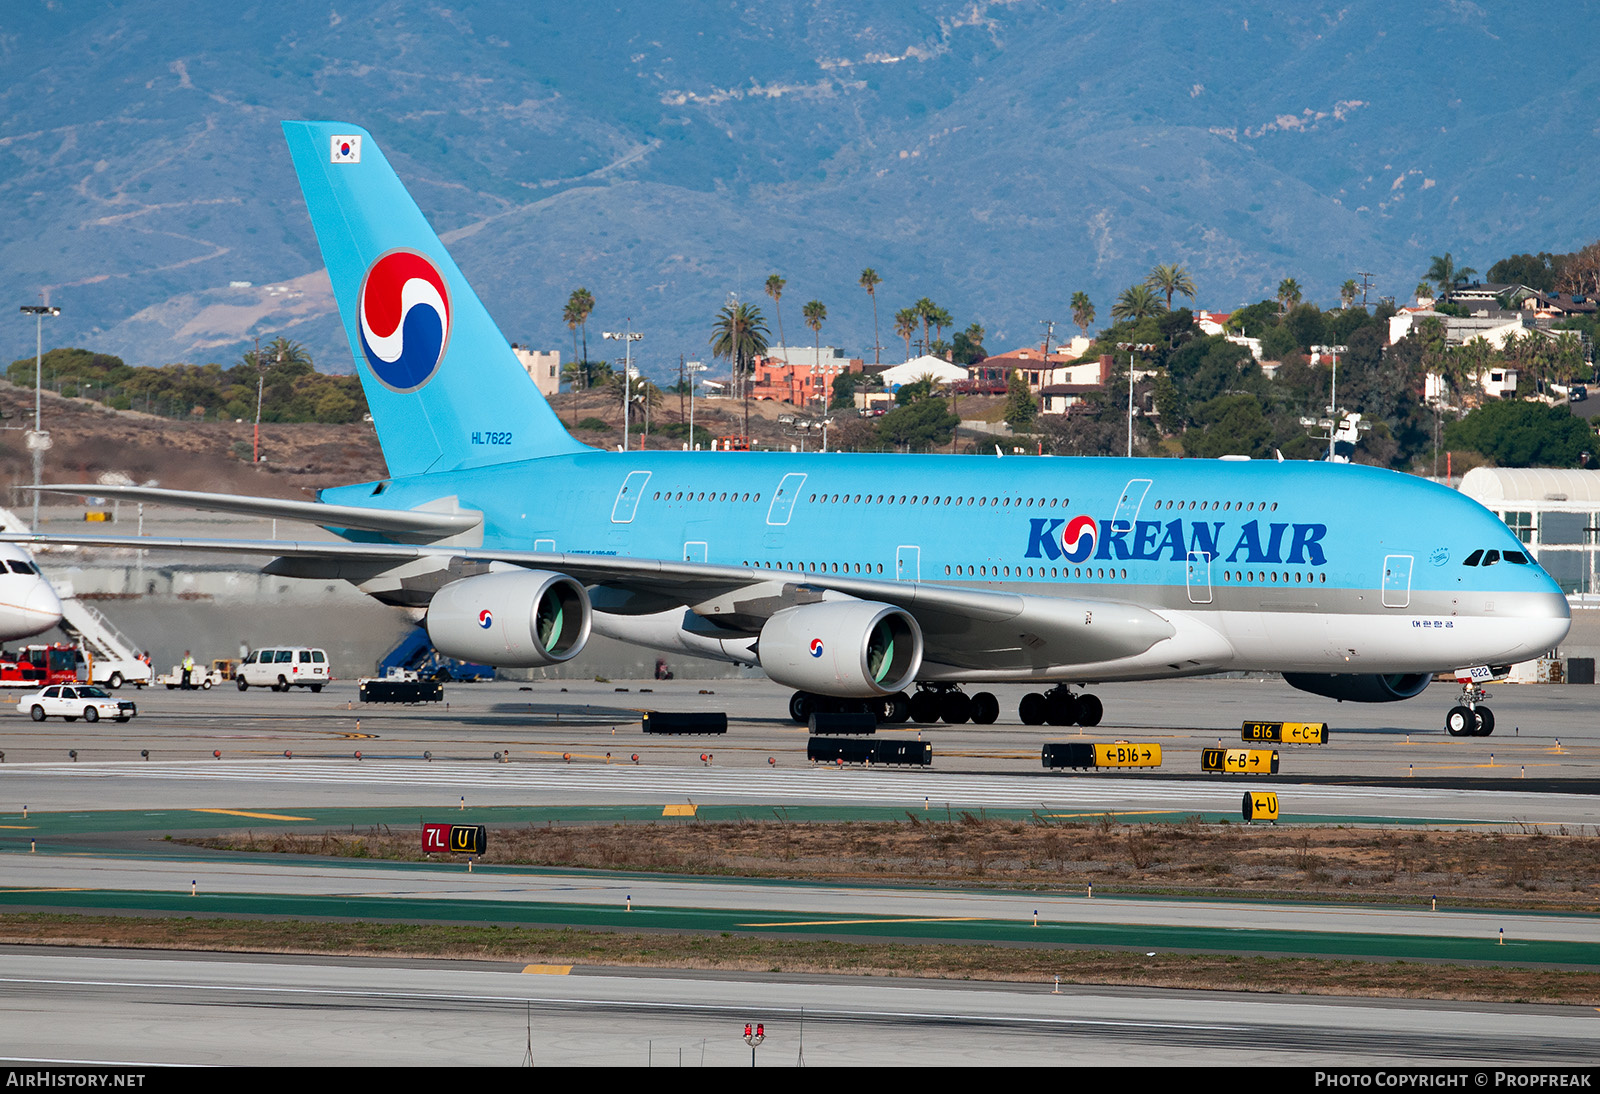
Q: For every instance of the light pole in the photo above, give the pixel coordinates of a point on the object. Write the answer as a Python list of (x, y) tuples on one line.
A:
[(691, 368), (1333, 388), (627, 338), (1132, 348), (38, 440)]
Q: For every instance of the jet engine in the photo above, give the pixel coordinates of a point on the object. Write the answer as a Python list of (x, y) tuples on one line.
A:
[(1361, 687), (517, 619), (847, 648)]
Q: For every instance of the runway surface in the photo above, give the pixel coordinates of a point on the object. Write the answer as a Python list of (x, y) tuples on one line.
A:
[(272, 1010), (91, 840)]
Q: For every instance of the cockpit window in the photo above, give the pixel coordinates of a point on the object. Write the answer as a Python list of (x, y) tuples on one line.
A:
[(19, 567), (1491, 557), (1473, 559), (1517, 557)]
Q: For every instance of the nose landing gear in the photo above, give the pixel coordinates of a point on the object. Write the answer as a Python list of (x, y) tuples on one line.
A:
[(1468, 719)]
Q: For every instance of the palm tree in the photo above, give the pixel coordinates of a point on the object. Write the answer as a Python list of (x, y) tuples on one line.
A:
[(775, 286), (1347, 294), (925, 309), (1288, 294), (1137, 302), (816, 312), (1424, 291), (870, 281), (905, 325), (581, 305), (1446, 274), (1082, 312), (740, 334), (1169, 280)]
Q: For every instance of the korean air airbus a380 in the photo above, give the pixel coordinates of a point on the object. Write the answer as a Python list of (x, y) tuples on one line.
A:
[(890, 581)]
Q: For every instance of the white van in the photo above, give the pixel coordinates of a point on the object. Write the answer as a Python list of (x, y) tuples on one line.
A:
[(283, 667)]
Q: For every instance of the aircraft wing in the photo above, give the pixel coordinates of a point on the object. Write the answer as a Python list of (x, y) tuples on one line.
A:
[(974, 628), (421, 522)]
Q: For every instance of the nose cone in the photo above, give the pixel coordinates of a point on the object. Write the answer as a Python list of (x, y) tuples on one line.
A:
[(44, 605), (1536, 623), (31, 610)]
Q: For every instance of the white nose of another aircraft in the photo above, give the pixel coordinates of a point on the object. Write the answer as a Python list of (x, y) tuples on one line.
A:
[(28, 605)]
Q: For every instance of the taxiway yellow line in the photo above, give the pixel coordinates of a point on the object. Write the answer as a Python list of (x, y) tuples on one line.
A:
[(255, 816), (897, 919)]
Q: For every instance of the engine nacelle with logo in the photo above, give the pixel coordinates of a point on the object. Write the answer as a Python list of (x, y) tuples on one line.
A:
[(847, 648), (1361, 687), (519, 620)]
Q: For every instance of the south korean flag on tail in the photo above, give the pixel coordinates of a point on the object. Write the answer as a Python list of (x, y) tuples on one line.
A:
[(345, 150)]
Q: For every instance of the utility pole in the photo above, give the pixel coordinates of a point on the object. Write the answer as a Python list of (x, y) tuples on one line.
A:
[(1366, 283), (38, 440)]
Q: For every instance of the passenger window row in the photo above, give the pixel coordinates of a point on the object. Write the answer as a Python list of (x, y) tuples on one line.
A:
[(818, 567), (1220, 506), (1250, 577), (933, 499), (704, 495)]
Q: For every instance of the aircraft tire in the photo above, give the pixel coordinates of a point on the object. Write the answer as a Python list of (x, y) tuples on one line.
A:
[(926, 707), (1060, 708), (800, 707), (1090, 710), (1031, 709), (955, 708), (1485, 722), (894, 709), (985, 709), (1460, 722)]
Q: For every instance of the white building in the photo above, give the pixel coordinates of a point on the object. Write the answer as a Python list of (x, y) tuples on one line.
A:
[(1551, 509), (542, 366)]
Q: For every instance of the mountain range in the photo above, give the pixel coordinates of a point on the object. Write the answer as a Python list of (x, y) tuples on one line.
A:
[(995, 157)]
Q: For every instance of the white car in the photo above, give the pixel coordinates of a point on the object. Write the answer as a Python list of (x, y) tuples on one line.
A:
[(74, 701)]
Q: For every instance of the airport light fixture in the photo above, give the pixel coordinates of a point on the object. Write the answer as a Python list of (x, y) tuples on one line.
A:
[(38, 440), (691, 368), (1333, 386), (627, 338), (1132, 348)]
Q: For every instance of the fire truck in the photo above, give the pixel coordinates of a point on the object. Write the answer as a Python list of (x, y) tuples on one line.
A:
[(39, 666)]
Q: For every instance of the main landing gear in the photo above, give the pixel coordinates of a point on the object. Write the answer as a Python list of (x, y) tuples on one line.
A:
[(1059, 707), (1468, 719), (931, 703)]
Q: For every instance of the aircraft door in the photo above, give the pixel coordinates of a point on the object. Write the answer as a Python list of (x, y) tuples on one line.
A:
[(628, 497), (1199, 577), (908, 564), (782, 507), (1396, 581), (1129, 504)]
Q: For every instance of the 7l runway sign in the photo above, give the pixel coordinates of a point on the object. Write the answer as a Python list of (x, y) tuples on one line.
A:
[(460, 839)]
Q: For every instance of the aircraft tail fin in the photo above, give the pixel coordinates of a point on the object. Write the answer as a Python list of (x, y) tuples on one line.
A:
[(445, 389)]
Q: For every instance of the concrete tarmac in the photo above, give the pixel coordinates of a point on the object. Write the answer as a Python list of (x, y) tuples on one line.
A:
[(132, 1009)]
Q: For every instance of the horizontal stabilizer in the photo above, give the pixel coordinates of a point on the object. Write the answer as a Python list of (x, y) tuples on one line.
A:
[(410, 522)]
